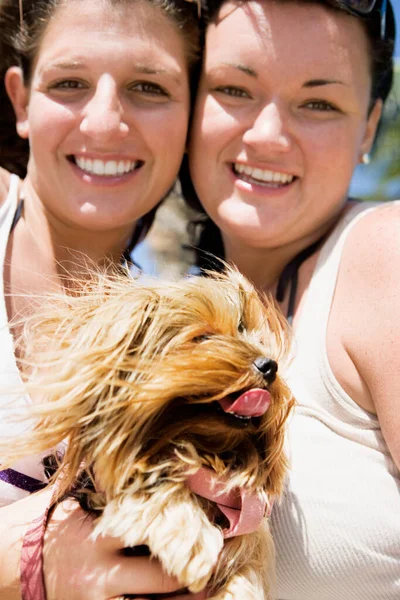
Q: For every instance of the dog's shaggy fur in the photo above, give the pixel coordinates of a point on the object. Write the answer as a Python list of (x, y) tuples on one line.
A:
[(131, 373)]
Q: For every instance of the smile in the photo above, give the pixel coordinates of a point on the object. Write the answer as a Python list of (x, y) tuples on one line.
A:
[(261, 177), (106, 168)]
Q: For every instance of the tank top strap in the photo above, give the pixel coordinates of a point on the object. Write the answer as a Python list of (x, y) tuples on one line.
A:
[(7, 213), (10, 203), (9, 206)]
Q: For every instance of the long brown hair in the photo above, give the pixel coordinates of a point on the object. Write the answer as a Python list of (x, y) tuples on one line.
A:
[(22, 26)]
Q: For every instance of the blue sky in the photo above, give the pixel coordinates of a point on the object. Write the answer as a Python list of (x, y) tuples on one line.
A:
[(396, 6)]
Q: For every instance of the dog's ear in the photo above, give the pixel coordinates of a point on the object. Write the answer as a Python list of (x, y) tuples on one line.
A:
[(276, 463)]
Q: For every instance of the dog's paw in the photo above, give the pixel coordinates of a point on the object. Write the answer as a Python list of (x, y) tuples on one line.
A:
[(177, 532), (124, 518), (187, 544), (204, 556)]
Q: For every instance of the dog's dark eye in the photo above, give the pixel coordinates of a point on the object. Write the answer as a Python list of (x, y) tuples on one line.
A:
[(241, 326), (200, 338)]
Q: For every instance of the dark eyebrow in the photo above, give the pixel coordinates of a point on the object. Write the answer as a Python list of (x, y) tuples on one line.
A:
[(150, 70), (137, 68), (319, 82), (171, 72), (308, 84), (242, 68), (73, 64)]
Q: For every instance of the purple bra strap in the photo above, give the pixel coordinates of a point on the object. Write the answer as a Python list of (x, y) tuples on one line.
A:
[(31, 569)]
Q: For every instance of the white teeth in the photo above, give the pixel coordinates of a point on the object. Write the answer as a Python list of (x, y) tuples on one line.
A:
[(268, 176), (262, 175), (109, 168), (98, 167), (257, 174)]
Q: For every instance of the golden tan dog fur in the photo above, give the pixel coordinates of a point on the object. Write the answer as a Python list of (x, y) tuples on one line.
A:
[(129, 372)]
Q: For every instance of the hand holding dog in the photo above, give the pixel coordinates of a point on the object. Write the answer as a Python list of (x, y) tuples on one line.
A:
[(76, 567)]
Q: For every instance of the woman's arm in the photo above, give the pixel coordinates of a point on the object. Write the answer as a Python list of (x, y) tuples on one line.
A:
[(14, 521), (75, 566), (371, 270)]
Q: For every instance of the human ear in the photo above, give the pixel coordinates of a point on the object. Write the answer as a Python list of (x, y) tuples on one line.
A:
[(18, 94), (371, 128)]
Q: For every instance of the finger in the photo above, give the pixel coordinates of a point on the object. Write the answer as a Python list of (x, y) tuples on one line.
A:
[(120, 575), (199, 596), (116, 574), (140, 576)]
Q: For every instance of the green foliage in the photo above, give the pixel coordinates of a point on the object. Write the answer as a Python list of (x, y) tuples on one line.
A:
[(385, 165)]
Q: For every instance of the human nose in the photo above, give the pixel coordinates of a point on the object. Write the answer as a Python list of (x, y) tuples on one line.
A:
[(103, 114), (269, 130)]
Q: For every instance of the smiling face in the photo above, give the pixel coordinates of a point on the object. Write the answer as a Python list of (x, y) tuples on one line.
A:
[(106, 112), (281, 120)]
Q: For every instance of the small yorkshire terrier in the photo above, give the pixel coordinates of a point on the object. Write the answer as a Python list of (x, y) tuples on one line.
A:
[(172, 409)]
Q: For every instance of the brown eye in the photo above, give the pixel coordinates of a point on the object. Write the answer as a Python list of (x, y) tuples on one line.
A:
[(148, 87), (231, 90), (68, 84), (320, 105)]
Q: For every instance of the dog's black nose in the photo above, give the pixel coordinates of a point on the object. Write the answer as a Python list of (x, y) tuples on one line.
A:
[(267, 367)]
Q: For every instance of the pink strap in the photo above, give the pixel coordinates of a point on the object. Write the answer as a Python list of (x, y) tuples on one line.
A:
[(31, 570), (244, 511)]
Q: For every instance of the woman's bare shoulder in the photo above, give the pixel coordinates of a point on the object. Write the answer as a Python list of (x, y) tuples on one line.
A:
[(371, 254), (376, 236), (4, 184), (370, 267)]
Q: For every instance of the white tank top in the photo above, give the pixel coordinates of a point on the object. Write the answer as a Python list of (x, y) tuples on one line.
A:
[(30, 468), (337, 530)]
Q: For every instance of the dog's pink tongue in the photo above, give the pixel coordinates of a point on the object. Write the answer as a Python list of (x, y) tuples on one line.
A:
[(244, 511), (246, 519), (253, 403)]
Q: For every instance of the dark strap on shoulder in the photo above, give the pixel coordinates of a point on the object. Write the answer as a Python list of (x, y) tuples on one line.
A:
[(290, 274), (18, 214)]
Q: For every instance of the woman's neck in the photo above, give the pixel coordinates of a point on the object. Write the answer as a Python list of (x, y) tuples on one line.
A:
[(63, 247), (264, 266)]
